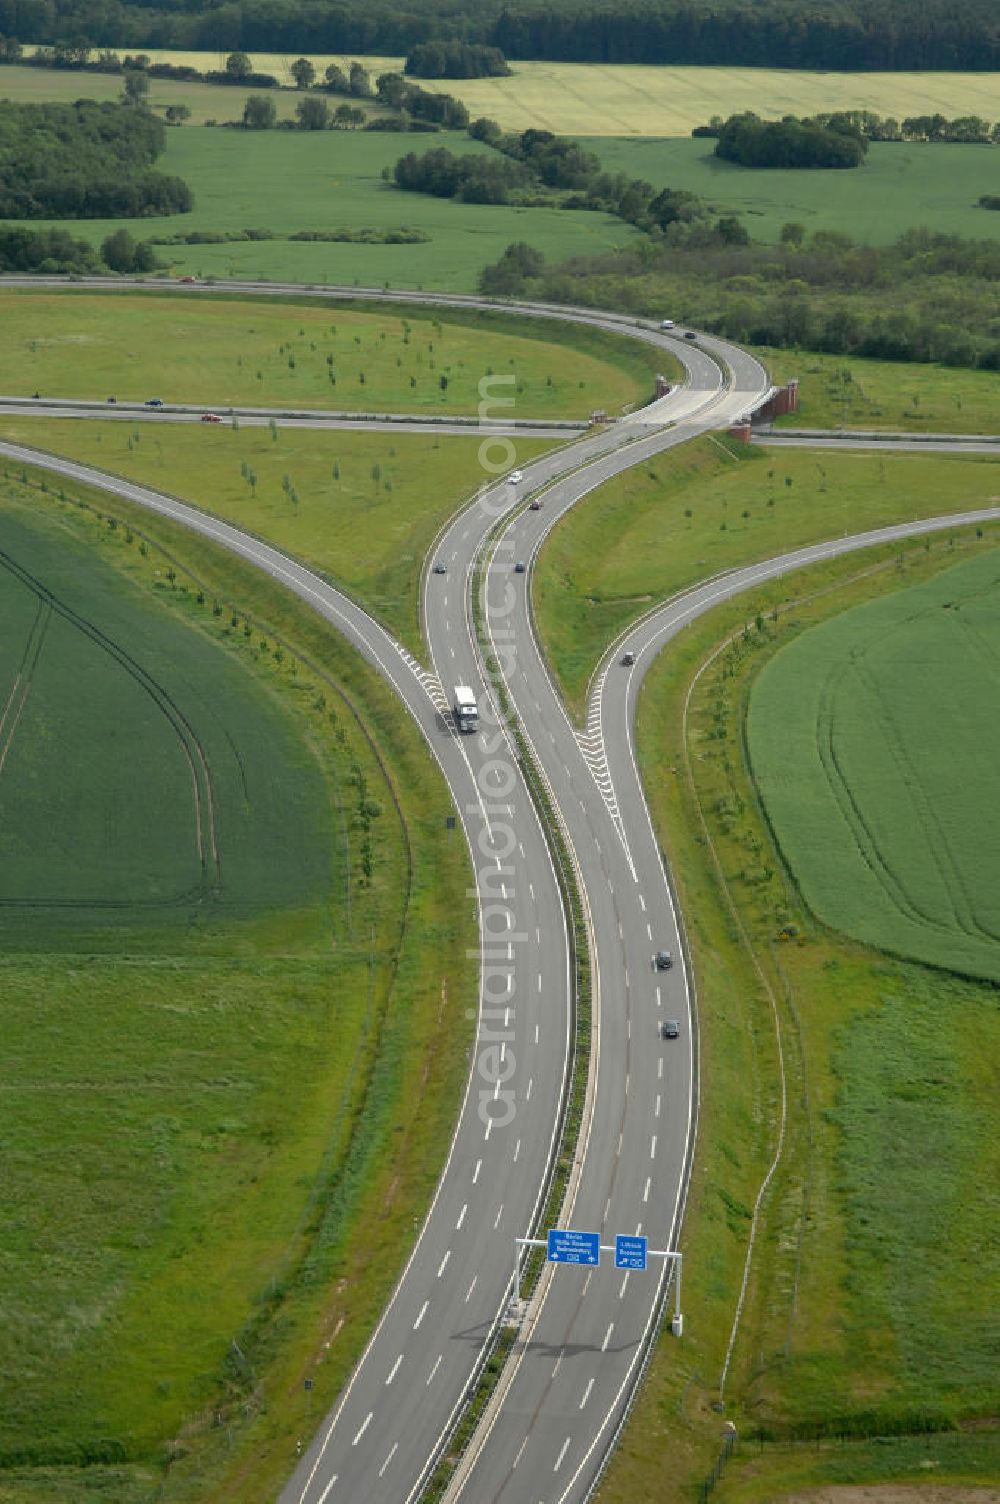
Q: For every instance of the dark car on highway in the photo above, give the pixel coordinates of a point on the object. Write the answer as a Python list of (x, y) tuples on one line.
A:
[(664, 960), (670, 1028)]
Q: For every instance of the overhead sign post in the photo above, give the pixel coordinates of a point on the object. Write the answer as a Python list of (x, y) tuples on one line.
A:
[(630, 1253), (565, 1246)]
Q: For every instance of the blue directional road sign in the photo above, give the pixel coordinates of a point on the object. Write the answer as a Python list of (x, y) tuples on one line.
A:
[(630, 1253), (568, 1247)]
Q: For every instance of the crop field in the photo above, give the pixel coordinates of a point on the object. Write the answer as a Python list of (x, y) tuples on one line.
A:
[(842, 391), (82, 665), (861, 1320), (901, 185), (873, 745), (198, 1096), (254, 351), (287, 181), (363, 508), (693, 512), (586, 99)]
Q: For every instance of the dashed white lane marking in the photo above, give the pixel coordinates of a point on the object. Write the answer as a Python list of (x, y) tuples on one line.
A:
[(586, 1393), (626, 1082), (659, 999), (531, 890), (392, 1453), (471, 1288), (520, 1453), (423, 1313), (649, 931), (562, 1453), (607, 1209), (444, 1263), (645, 1194), (479, 1164), (642, 903), (586, 1283), (363, 1428), (621, 1292), (531, 1082), (539, 983), (558, 1364), (520, 847), (394, 1370), (437, 1365), (536, 1037), (461, 1215), (496, 1220), (619, 1149), (656, 1109), (652, 1147), (326, 1492), (517, 1150), (489, 1125), (607, 1336), (659, 1070)]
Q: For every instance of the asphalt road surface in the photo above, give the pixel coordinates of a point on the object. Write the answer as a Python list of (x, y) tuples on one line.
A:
[(583, 1341)]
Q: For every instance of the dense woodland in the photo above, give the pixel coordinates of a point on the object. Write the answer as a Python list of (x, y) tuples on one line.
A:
[(927, 297), (830, 141), (832, 34), (83, 161)]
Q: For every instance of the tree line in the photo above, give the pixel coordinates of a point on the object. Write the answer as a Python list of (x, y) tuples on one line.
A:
[(965, 129), (854, 35), (927, 297), (84, 161)]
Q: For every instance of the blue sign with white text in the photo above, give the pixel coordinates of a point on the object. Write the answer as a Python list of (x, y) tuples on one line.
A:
[(630, 1253), (568, 1247)]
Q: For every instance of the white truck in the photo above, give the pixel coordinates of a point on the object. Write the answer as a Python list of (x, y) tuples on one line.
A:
[(465, 708)]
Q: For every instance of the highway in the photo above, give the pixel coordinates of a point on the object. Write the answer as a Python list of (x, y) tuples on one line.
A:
[(584, 1339)]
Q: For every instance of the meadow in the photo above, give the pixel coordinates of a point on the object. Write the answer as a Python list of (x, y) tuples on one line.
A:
[(363, 508), (287, 181), (841, 391), (581, 99), (277, 353), (711, 506), (863, 1354), (871, 741), (901, 184), (201, 1117)]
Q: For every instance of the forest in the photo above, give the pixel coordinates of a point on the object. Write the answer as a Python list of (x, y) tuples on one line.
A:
[(927, 297), (844, 35), (84, 161)]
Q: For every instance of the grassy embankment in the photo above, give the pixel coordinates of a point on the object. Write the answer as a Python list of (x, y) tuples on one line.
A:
[(281, 352), (862, 1320), (837, 391), (572, 98), (363, 508), (709, 507), (197, 1135)]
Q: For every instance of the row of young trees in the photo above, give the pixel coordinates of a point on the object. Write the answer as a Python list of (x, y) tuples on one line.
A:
[(83, 161), (835, 34)]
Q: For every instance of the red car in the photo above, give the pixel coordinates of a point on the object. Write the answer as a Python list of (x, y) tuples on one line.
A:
[(210, 418), (187, 279)]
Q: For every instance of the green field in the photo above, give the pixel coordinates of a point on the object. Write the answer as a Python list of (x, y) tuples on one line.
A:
[(704, 508), (841, 391), (873, 745), (82, 662), (274, 353), (362, 507), (900, 185), (866, 1338), (579, 98), (287, 181), (202, 1102)]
